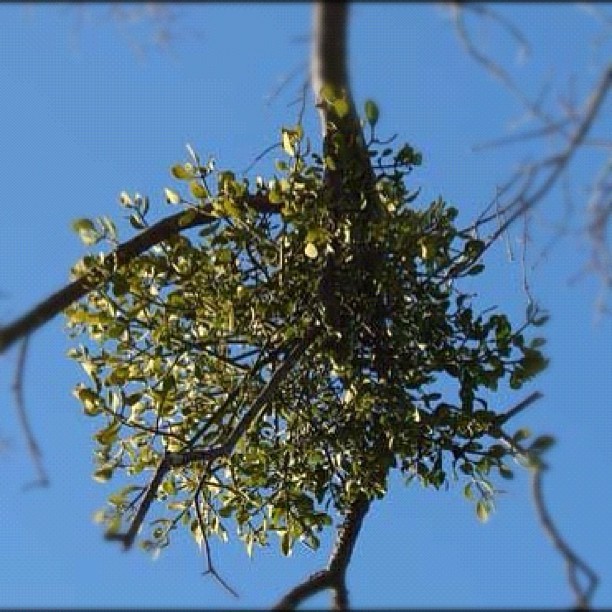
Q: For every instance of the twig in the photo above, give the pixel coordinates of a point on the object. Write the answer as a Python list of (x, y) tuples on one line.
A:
[(529, 135), (42, 479), (489, 64), (560, 161), (512, 412), (210, 569), (285, 81), (544, 174), (513, 31), (524, 274), (260, 156), (573, 562), (208, 455)]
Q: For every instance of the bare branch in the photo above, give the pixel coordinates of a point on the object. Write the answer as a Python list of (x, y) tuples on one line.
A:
[(574, 125), (547, 130), (573, 562), (600, 211), (524, 200), (489, 64), (42, 479), (512, 412)]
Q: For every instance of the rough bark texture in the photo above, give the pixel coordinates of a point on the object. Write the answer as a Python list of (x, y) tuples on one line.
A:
[(347, 182)]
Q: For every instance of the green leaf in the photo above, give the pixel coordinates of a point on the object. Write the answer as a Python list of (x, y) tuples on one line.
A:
[(108, 435), (209, 229), (542, 443), (341, 107), (83, 225), (533, 362), (103, 474), (187, 217), (288, 143), (281, 165), (198, 190), (109, 226), (541, 320), (428, 247), (475, 270), (226, 511), (311, 250), (172, 197), (473, 248), (371, 112), (180, 172), (136, 222), (329, 162), (467, 491), (521, 434), (286, 543), (482, 510), (125, 200), (327, 93)]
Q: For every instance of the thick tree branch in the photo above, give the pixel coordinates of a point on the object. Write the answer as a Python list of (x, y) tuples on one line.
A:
[(329, 68), (329, 65), (126, 252), (334, 576)]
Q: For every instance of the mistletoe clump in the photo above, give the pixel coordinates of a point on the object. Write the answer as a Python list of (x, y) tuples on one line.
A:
[(276, 365)]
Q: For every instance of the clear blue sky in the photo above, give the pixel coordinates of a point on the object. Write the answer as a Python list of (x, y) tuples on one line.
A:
[(80, 123)]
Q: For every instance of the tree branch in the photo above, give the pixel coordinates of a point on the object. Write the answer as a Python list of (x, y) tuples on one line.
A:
[(534, 181), (126, 252), (33, 448), (208, 455), (560, 161), (573, 562), (512, 412), (334, 576)]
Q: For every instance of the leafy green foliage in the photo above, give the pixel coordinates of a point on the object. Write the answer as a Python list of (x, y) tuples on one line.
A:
[(183, 339)]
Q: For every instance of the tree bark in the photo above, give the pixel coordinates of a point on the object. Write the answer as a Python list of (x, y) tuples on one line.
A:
[(349, 181)]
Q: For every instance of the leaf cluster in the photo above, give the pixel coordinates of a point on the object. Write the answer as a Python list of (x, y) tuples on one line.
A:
[(181, 341)]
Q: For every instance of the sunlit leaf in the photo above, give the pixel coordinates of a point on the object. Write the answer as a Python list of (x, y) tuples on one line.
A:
[(482, 510), (172, 197), (311, 250)]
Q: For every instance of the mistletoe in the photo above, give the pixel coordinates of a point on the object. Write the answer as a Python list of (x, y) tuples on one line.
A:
[(274, 366)]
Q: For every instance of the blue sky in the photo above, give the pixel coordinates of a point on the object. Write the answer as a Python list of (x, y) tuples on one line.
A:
[(82, 122)]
